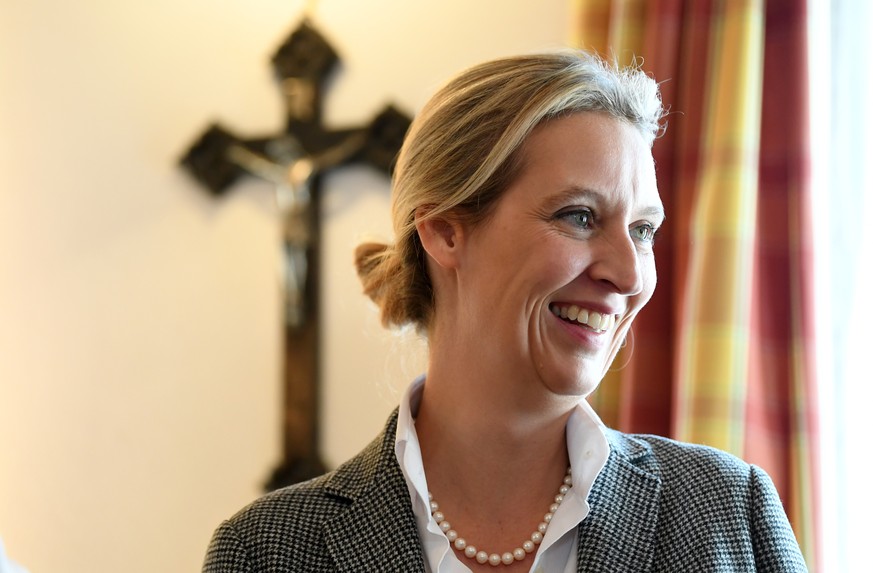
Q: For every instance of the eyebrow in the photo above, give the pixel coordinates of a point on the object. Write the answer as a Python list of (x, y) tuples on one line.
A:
[(573, 192), (654, 212)]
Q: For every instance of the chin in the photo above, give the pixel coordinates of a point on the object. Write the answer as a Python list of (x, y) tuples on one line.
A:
[(576, 385)]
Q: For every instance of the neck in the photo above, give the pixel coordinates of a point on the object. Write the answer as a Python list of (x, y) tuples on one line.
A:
[(475, 423), (493, 443)]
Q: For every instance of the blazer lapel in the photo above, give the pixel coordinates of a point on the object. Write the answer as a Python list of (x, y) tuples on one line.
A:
[(618, 535), (378, 531)]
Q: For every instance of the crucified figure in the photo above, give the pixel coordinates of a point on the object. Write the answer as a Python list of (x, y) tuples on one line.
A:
[(292, 172), (292, 160)]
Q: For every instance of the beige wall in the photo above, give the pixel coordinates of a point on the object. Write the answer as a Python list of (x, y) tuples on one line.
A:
[(139, 336)]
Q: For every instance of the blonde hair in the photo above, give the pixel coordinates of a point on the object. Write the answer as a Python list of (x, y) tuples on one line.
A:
[(462, 151)]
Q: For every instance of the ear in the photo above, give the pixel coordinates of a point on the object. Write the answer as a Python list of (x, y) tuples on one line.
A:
[(440, 236)]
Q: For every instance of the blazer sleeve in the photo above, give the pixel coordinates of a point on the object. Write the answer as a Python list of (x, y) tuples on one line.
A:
[(226, 553), (773, 540)]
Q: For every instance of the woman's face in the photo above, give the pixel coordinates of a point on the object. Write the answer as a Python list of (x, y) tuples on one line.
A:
[(550, 283)]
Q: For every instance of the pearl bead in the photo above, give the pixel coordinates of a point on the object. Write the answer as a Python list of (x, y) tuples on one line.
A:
[(495, 559)]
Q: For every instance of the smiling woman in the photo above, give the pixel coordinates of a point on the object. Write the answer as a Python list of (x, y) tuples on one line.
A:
[(525, 207), (564, 235)]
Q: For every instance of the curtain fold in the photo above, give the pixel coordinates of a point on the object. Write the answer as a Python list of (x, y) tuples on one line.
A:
[(723, 353)]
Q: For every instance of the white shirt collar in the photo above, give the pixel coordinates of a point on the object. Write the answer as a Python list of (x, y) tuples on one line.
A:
[(588, 451)]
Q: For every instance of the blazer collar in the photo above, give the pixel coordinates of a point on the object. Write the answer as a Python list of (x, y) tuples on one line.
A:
[(377, 532), (618, 535)]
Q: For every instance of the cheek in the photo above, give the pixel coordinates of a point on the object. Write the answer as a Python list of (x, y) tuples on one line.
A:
[(544, 268), (562, 262), (650, 280)]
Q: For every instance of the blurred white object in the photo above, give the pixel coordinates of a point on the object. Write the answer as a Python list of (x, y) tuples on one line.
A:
[(7, 566)]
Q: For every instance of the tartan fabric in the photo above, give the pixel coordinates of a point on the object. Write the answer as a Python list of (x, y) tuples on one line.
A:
[(781, 413), (658, 506), (723, 354)]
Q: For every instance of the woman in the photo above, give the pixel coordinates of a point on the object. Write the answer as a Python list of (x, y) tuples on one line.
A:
[(525, 209)]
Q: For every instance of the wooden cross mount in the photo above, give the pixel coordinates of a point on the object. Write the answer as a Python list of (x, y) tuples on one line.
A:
[(294, 160)]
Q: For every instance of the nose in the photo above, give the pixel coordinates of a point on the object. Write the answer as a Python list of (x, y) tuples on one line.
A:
[(617, 263)]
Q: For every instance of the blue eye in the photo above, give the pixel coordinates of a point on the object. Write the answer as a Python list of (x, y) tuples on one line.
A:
[(645, 233), (578, 218)]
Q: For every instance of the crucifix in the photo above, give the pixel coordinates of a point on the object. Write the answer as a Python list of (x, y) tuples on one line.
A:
[(294, 160)]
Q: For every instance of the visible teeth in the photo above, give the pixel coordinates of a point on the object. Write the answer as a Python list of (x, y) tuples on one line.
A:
[(592, 319)]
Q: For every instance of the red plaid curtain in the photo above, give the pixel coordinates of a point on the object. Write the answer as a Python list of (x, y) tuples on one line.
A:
[(723, 354)]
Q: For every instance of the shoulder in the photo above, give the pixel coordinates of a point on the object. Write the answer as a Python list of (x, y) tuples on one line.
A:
[(712, 503), (287, 525), (317, 500), (693, 473), (680, 481), (679, 463), (693, 480), (282, 526), (305, 502)]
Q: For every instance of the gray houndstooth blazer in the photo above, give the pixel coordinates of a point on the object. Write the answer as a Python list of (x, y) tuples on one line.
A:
[(658, 505)]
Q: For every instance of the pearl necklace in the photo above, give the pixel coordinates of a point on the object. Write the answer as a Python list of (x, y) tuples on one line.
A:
[(509, 557)]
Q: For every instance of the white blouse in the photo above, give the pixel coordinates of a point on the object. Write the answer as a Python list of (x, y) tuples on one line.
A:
[(588, 450)]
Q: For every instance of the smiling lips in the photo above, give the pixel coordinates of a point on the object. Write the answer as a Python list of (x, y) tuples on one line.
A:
[(590, 318)]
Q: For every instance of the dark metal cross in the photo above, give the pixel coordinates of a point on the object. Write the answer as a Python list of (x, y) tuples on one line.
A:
[(294, 160)]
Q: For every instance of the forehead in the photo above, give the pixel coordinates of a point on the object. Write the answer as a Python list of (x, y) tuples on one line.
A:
[(590, 151)]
